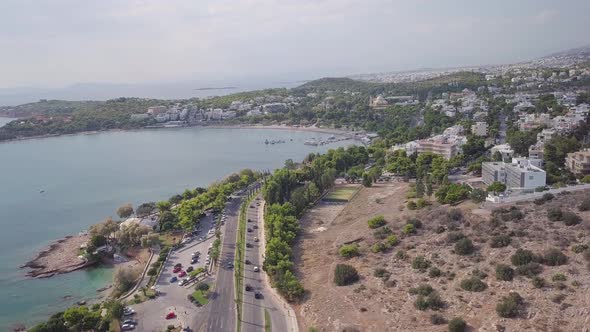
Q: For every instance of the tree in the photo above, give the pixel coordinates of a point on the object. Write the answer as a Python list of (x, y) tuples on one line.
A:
[(520, 141), (163, 206), (457, 324), (150, 240), (367, 181), (428, 186), (130, 235), (345, 274), (145, 209), (125, 211), (478, 195), (105, 228), (419, 188), (496, 187), (124, 278), (497, 156)]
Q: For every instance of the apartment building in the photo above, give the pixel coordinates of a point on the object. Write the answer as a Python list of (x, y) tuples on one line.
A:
[(479, 129), (578, 162), (446, 146), (519, 175)]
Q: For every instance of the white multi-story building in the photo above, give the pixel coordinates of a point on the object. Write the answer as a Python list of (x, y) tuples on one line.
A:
[(504, 149), (520, 175)]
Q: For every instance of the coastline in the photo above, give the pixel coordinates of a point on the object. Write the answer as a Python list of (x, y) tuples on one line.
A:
[(58, 258), (334, 131)]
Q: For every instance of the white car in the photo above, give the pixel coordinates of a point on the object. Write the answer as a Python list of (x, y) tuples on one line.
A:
[(256, 269), (127, 327)]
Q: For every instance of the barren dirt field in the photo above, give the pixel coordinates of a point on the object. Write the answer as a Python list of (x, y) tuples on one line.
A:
[(385, 303)]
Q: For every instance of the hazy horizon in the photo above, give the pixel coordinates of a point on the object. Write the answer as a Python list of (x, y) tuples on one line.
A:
[(55, 44)]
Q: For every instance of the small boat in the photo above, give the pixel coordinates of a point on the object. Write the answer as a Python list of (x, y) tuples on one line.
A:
[(266, 141), (41, 191)]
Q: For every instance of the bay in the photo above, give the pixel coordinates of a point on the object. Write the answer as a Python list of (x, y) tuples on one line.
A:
[(86, 177)]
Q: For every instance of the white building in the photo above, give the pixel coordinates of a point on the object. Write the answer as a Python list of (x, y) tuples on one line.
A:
[(520, 175), (479, 129), (505, 149)]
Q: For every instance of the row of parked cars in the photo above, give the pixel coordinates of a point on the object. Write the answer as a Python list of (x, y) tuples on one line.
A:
[(128, 323)]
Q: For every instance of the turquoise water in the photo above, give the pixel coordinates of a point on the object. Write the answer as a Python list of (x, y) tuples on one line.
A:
[(86, 177)]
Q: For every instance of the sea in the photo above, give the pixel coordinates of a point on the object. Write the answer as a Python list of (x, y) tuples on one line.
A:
[(53, 187)]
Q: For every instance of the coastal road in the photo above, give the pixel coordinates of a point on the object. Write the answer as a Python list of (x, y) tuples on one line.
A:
[(222, 308), (254, 309)]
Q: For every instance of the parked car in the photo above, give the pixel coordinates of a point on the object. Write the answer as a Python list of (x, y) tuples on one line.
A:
[(196, 254), (247, 262), (130, 321), (170, 315), (255, 226), (182, 274), (127, 327), (183, 282), (173, 279), (258, 295), (249, 230), (256, 269), (248, 245), (256, 239), (230, 265), (249, 220), (248, 288), (189, 269), (178, 265), (193, 261), (176, 269)]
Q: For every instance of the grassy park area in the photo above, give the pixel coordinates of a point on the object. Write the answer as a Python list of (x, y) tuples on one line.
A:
[(341, 194)]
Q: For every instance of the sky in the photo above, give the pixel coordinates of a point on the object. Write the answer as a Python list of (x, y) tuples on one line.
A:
[(55, 43)]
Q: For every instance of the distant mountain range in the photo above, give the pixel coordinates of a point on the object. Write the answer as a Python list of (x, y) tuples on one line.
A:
[(189, 89)]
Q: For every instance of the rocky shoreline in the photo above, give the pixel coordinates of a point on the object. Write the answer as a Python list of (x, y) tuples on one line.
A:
[(60, 257)]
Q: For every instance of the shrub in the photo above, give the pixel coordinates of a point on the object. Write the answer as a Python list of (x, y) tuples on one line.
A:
[(510, 306), (381, 273), (554, 214), (500, 241), (473, 284), (453, 237), (457, 324), (504, 272), (478, 195), (464, 247), (349, 250), (538, 282), (424, 289), (202, 287), (578, 248), (431, 301), (529, 270), (345, 275), (479, 274), (558, 277), (455, 215), (422, 203), (401, 255), (421, 263), (409, 229), (411, 205), (437, 319), (376, 222), (554, 257), (522, 257), (440, 229), (434, 272), (571, 219), (548, 196), (585, 205), (382, 233), (378, 247), (152, 271), (392, 240), (416, 222)]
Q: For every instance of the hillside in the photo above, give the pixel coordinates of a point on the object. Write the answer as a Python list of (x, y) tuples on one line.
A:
[(433, 275)]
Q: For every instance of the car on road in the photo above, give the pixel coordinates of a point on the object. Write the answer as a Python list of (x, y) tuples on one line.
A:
[(250, 230), (176, 269), (247, 262), (258, 295), (248, 245), (248, 288), (194, 260), (230, 265), (127, 327), (182, 274), (170, 315), (256, 269), (173, 279)]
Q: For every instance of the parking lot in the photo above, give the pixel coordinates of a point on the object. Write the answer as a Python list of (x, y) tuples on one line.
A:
[(151, 315)]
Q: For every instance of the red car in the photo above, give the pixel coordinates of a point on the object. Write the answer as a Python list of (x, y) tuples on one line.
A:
[(182, 274), (170, 315), (176, 269)]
